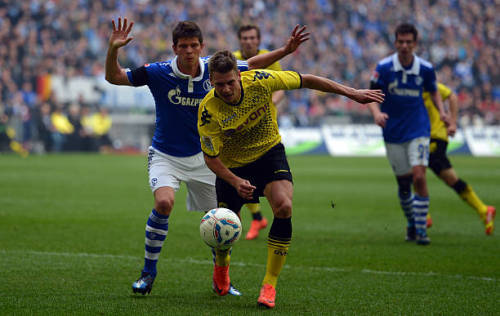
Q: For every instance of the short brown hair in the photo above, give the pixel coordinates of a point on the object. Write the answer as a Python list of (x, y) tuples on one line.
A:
[(223, 62), (186, 29), (406, 28), (248, 27)]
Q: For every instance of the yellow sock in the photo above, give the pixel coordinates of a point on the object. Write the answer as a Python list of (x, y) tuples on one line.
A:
[(469, 196), (18, 148), (277, 251), (222, 257), (253, 207)]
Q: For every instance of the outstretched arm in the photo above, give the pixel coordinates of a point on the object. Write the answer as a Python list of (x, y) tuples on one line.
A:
[(115, 74), (327, 85), (294, 41), (244, 187)]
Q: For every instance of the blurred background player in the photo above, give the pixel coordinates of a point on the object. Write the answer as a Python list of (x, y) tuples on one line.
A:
[(405, 124), (249, 39), (175, 156), (439, 162), (241, 143)]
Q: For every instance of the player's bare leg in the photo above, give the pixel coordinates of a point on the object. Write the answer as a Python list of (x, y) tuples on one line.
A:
[(279, 194)]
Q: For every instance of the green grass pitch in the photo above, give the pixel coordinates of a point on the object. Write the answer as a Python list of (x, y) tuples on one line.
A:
[(72, 234)]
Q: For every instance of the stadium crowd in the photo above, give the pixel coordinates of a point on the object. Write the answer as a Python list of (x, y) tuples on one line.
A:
[(69, 38)]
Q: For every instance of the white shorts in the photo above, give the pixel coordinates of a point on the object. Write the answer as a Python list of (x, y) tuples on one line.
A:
[(403, 156), (169, 171)]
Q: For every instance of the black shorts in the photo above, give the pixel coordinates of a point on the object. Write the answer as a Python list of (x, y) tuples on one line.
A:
[(272, 166), (438, 160)]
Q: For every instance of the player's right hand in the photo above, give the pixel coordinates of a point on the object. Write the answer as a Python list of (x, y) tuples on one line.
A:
[(245, 189), (380, 119), (119, 36)]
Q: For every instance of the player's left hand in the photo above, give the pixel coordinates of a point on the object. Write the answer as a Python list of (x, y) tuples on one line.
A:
[(298, 37), (367, 96), (452, 129)]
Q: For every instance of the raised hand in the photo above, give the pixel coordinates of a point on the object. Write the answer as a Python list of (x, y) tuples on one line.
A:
[(119, 36), (296, 39)]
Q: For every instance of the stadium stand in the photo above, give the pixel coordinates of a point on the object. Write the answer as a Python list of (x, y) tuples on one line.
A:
[(43, 39)]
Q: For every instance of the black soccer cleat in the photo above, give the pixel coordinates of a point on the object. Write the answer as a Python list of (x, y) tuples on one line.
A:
[(144, 284), (422, 238), (411, 233)]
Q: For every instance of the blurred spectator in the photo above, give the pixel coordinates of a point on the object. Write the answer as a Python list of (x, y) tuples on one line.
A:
[(4, 133), (74, 140), (7, 134), (88, 139), (67, 38), (44, 126), (101, 123), (62, 128)]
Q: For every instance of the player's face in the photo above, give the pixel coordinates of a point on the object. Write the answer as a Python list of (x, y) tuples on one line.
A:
[(405, 44), (188, 50), (249, 43), (227, 86)]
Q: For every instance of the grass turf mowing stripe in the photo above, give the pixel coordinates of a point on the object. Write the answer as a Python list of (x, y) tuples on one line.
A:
[(246, 264)]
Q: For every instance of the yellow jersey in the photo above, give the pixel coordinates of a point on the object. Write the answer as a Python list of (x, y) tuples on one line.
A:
[(438, 128), (240, 134), (101, 124), (275, 66)]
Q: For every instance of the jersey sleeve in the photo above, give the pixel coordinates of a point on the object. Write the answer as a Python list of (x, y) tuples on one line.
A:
[(430, 81), (377, 80), (278, 80), (444, 91), (138, 77), (209, 130)]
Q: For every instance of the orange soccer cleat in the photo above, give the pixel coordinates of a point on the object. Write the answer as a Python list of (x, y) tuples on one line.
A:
[(267, 296), (255, 227), (488, 220), (221, 281), (429, 220)]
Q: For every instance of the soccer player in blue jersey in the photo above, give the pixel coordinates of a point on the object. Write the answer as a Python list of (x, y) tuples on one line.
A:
[(403, 117), (175, 156)]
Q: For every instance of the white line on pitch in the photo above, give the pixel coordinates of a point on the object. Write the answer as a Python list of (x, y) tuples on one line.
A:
[(246, 264)]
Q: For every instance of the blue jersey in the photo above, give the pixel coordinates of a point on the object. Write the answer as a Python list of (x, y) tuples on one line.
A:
[(177, 97), (403, 88)]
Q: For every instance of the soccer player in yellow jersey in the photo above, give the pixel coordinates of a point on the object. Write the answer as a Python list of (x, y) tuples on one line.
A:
[(439, 162), (241, 143), (249, 38)]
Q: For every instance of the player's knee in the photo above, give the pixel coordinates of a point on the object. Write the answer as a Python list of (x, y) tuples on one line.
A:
[(164, 205), (283, 208), (404, 185), (419, 180)]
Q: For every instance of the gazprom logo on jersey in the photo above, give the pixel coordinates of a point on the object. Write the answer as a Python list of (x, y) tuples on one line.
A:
[(175, 97), (393, 89)]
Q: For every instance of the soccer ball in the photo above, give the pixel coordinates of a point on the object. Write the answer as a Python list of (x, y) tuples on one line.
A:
[(220, 228)]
